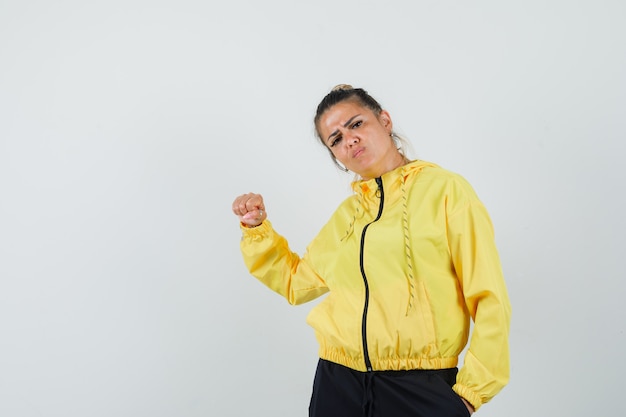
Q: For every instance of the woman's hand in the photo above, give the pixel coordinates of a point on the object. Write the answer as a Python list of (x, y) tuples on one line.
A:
[(468, 405), (250, 209)]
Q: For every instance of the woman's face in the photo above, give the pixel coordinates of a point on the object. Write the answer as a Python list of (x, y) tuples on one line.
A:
[(359, 139)]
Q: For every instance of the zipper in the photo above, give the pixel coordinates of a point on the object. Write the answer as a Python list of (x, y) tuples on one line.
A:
[(368, 363)]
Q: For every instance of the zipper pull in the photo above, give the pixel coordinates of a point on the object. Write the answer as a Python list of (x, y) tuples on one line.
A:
[(379, 190)]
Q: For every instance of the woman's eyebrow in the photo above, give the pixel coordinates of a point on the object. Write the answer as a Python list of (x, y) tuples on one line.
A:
[(344, 125)]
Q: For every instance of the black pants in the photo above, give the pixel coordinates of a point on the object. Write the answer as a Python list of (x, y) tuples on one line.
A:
[(343, 392)]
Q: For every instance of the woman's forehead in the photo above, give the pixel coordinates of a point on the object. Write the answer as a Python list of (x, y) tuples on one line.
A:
[(344, 110)]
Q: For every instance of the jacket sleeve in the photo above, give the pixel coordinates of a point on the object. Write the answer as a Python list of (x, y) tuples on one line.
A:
[(485, 370), (269, 259)]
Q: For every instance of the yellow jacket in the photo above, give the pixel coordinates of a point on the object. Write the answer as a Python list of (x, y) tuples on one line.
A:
[(407, 260)]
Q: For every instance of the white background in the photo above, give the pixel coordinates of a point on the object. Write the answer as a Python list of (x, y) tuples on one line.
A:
[(128, 127)]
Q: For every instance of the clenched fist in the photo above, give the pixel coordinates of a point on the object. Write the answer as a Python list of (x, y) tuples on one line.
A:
[(250, 209)]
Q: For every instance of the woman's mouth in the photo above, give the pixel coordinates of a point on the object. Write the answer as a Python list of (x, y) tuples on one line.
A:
[(357, 152)]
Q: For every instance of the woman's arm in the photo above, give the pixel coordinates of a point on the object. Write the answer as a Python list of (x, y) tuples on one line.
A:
[(268, 257), (476, 262)]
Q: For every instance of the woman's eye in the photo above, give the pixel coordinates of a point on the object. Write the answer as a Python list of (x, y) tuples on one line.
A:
[(357, 124), (335, 141)]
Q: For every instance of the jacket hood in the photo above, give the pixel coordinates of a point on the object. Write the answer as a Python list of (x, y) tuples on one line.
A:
[(391, 180)]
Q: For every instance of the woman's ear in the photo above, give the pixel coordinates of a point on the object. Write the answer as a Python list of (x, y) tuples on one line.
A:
[(385, 120)]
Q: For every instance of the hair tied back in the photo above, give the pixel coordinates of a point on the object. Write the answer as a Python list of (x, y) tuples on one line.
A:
[(342, 87)]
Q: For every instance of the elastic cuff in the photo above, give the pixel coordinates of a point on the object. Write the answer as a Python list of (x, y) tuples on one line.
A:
[(247, 226), (262, 229), (469, 395)]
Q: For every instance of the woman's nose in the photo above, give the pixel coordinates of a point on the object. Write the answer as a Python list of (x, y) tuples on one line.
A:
[(351, 139)]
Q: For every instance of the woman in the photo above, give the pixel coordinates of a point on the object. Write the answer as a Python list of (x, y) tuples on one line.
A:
[(407, 261)]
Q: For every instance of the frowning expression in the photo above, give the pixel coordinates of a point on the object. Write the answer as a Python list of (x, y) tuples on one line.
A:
[(359, 139)]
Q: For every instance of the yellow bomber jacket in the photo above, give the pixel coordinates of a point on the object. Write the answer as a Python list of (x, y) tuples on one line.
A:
[(407, 261)]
